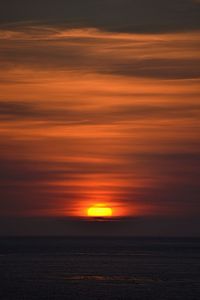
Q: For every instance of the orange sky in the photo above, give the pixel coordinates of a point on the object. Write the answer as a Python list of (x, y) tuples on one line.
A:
[(88, 116)]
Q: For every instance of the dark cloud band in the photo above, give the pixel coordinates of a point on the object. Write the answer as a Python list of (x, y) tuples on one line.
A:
[(120, 16)]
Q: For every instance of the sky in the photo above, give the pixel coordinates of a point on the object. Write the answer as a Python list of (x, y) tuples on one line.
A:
[(99, 104)]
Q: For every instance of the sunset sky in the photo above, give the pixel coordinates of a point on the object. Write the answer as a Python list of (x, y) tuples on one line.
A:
[(100, 104)]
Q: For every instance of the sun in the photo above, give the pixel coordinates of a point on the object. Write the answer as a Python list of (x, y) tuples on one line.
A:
[(99, 211)]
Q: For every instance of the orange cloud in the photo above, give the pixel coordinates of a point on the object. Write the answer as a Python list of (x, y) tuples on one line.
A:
[(91, 116)]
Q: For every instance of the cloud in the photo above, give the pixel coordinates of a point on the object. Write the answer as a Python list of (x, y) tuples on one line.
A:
[(68, 115), (101, 114), (143, 226), (119, 16), (170, 56), (145, 183)]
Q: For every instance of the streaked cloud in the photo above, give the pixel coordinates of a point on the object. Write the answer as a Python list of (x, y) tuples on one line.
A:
[(91, 115), (112, 15), (164, 56)]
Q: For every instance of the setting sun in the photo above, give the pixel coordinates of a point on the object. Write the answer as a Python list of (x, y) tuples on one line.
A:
[(99, 211)]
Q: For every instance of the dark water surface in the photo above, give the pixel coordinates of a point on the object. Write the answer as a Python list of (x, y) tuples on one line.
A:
[(99, 268)]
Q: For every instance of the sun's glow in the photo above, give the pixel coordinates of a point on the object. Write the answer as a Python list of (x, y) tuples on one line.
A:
[(99, 211)]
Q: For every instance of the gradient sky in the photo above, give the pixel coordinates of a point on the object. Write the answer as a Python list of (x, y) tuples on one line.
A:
[(100, 103)]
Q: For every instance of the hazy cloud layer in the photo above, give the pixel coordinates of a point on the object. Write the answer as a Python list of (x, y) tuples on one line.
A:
[(164, 56), (94, 111), (120, 15), (70, 115)]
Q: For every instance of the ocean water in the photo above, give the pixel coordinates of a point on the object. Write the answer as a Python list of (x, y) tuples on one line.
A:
[(99, 268)]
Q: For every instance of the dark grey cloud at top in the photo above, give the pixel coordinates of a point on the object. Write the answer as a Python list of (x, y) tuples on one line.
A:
[(114, 15)]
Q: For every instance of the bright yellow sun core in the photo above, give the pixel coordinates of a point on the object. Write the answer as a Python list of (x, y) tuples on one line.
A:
[(99, 211)]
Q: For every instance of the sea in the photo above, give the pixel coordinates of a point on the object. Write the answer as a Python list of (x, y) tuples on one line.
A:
[(102, 268)]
